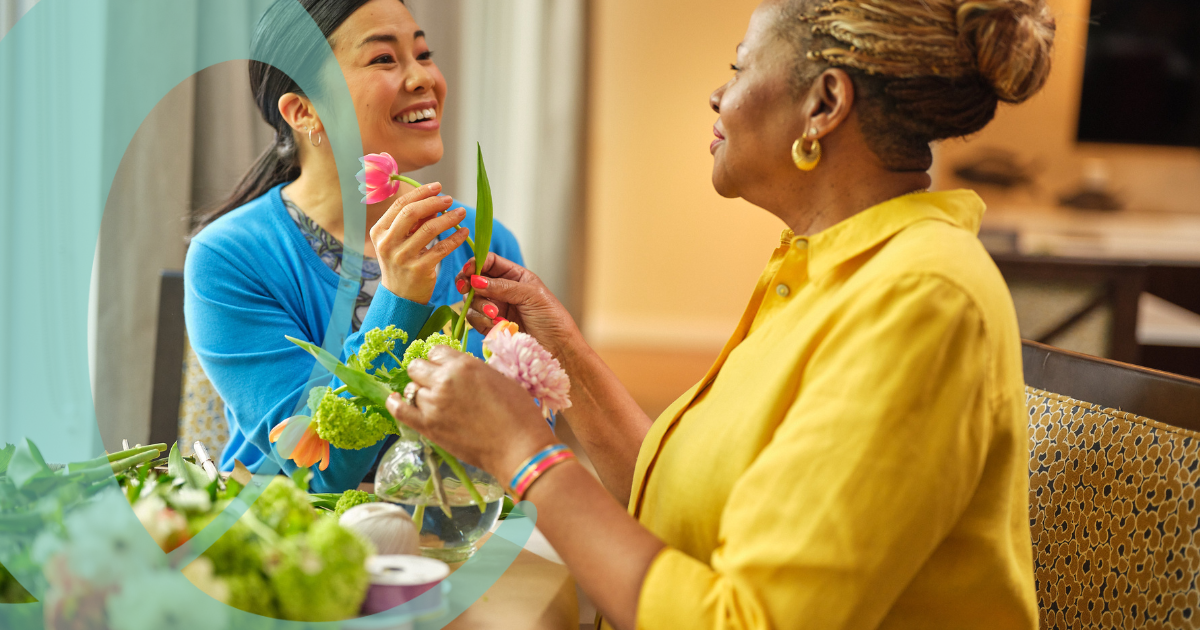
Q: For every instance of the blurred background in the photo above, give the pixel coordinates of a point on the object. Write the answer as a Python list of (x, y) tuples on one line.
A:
[(594, 117)]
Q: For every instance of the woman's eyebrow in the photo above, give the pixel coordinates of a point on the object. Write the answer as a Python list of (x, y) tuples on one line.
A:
[(387, 38), (382, 37)]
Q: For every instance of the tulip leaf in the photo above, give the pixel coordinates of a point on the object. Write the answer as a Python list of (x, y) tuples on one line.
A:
[(6, 455), (359, 383), (442, 316), (483, 215), (27, 465), (192, 475)]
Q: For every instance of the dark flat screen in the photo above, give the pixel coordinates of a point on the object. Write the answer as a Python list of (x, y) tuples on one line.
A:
[(1141, 80)]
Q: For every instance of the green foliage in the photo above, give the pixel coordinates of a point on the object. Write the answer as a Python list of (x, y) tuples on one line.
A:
[(283, 507), (192, 475), (345, 426), (11, 591), (321, 576), (352, 498), (436, 322)]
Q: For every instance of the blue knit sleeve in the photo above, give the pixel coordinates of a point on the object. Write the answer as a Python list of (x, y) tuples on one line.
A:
[(237, 323)]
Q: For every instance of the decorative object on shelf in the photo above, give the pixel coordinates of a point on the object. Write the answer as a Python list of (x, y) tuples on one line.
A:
[(996, 167), (1095, 191)]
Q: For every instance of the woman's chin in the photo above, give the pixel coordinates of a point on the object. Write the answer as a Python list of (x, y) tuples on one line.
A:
[(722, 184)]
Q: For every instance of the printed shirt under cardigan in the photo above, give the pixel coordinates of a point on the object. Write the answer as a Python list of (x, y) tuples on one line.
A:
[(857, 456), (252, 277)]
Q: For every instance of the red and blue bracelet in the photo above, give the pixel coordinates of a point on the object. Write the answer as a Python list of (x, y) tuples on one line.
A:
[(536, 466)]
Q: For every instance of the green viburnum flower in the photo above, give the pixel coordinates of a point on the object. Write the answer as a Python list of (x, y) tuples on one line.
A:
[(421, 347), (251, 592), (379, 342), (345, 426), (236, 552), (283, 507), (352, 498), (321, 576)]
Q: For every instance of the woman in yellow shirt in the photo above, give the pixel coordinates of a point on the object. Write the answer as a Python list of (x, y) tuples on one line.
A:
[(856, 457)]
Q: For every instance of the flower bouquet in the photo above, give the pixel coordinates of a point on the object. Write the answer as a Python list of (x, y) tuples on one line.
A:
[(453, 504)]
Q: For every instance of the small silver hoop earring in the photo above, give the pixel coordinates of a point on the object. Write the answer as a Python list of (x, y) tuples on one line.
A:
[(318, 141)]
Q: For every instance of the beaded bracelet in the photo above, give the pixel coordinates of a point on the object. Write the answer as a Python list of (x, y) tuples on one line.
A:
[(536, 466)]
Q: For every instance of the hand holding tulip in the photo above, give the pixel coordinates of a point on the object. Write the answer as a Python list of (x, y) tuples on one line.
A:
[(408, 265)]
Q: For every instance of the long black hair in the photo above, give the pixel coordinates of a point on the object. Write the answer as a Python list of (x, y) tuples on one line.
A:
[(274, 38)]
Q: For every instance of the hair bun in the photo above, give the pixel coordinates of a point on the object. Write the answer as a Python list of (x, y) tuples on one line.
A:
[(1012, 42)]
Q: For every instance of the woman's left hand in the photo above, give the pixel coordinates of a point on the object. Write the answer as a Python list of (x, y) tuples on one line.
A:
[(474, 412)]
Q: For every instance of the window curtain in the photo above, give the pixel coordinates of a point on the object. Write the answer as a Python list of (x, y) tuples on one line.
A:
[(516, 71)]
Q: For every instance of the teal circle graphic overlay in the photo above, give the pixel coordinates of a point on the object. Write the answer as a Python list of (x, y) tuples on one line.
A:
[(77, 78)]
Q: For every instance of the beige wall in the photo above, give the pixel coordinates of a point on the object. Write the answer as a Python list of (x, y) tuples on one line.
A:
[(670, 263)]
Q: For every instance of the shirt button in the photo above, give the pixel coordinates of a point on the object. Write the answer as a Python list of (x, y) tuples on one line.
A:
[(783, 290)]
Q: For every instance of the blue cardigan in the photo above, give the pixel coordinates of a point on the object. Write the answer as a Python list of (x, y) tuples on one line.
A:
[(250, 279)]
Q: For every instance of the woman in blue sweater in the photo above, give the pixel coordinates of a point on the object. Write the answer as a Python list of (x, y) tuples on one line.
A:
[(268, 262)]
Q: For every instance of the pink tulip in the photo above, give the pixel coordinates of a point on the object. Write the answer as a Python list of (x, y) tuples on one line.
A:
[(379, 178)]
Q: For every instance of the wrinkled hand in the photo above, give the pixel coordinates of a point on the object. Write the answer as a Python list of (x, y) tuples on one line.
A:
[(408, 266), (474, 412), (507, 290)]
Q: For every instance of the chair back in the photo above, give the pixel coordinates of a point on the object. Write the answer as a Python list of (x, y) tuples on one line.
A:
[(168, 360), (1114, 492)]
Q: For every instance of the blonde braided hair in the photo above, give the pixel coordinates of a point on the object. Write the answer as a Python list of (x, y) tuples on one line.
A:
[(925, 69)]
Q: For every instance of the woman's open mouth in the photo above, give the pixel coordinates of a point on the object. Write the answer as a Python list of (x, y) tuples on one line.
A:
[(423, 117)]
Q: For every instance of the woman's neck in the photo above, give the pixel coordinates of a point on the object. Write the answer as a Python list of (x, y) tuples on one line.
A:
[(316, 192), (827, 203)]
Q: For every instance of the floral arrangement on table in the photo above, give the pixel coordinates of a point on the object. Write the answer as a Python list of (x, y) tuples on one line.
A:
[(292, 555), (417, 472)]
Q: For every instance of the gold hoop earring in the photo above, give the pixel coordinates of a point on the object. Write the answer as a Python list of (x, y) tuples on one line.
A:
[(310, 137), (806, 160)]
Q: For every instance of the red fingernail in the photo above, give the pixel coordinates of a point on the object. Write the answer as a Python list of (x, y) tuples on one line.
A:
[(461, 285), (491, 311), (467, 267), (479, 282)]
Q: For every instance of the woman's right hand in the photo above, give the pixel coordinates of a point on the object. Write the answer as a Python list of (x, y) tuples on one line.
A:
[(408, 267), (507, 290)]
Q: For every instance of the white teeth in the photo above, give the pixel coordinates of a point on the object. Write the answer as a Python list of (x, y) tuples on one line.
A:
[(419, 115)]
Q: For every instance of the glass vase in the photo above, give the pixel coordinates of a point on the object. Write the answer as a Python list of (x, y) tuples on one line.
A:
[(449, 532)]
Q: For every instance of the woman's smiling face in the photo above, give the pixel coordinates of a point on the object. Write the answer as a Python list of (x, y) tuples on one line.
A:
[(759, 114), (398, 92)]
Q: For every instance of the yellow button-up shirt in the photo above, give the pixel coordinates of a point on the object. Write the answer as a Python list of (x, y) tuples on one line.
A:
[(857, 456)]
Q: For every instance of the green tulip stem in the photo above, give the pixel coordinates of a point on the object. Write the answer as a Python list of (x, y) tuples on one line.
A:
[(462, 475)]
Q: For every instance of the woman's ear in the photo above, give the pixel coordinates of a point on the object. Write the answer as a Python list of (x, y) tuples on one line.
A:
[(830, 101), (299, 113)]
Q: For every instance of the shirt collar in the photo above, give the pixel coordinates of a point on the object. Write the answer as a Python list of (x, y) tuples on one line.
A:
[(869, 228)]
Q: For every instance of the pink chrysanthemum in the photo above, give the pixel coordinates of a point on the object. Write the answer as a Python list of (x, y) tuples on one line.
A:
[(378, 177), (521, 358)]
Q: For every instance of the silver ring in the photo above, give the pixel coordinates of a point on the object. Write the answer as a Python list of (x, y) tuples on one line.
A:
[(410, 393)]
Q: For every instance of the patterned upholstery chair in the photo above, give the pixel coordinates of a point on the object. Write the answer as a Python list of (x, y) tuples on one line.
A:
[(1114, 492)]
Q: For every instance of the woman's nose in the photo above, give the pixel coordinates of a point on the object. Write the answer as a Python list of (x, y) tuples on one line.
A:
[(419, 79), (714, 100)]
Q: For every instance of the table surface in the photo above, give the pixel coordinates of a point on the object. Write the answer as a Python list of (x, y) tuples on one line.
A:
[(1120, 235)]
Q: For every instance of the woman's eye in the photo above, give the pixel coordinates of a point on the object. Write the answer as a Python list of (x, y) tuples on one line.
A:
[(425, 56), (382, 59)]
